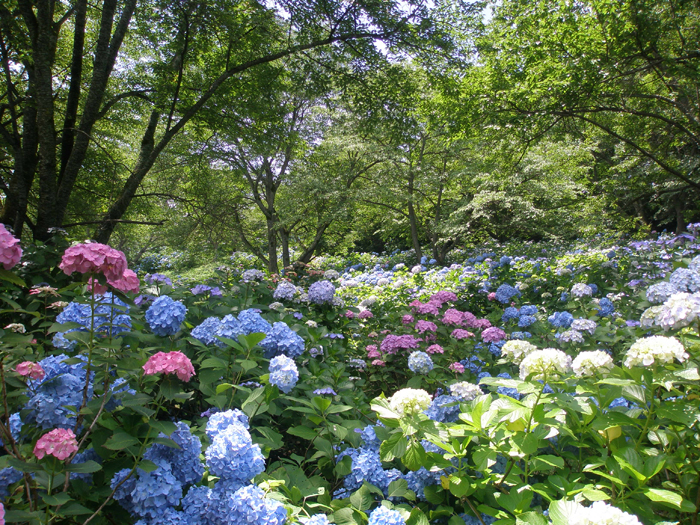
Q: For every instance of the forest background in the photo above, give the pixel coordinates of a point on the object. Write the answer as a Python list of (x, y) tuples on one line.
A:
[(297, 127)]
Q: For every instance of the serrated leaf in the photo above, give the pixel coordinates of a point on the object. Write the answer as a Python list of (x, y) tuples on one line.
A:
[(84, 468), (670, 498), (394, 447), (563, 512), (120, 441), (531, 518), (417, 517), (303, 432)]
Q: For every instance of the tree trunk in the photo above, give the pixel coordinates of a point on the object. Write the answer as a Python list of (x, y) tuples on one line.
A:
[(284, 239)]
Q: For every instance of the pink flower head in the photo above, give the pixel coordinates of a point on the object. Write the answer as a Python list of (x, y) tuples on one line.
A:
[(423, 326), (2, 514), (458, 333), (453, 317), (493, 335), (169, 363), (372, 351), (430, 307), (350, 314), (378, 362), (365, 314), (415, 303), (393, 343), (481, 323), (33, 370), (93, 285), (492, 296), (457, 367), (407, 319), (94, 258), (59, 443), (468, 319), (443, 297), (10, 251), (435, 349), (128, 282)]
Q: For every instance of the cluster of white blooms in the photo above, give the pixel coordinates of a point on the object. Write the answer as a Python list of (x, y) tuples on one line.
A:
[(382, 282), (276, 306), (584, 325), (331, 275), (571, 336), (679, 310), (409, 401), (601, 513), (592, 363), (369, 301), (338, 301), (549, 362), (648, 318), (465, 391), (655, 349), (516, 350), (581, 290)]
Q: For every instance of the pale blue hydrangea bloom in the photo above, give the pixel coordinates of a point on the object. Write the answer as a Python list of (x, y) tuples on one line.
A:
[(321, 292), (383, 516), (283, 373), (420, 362), (165, 316)]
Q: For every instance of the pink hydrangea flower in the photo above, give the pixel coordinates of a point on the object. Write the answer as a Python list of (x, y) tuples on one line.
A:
[(94, 258), (469, 319), (94, 286), (481, 323), (169, 363), (435, 349), (59, 443), (458, 333), (10, 251), (393, 343), (128, 282), (493, 335), (365, 314), (372, 351), (378, 362), (30, 369), (423, 326), (407, 319), (452, 316), (350, 314), (457, 367), (2, 514), (492, 296), (443, 296), (430, 307)]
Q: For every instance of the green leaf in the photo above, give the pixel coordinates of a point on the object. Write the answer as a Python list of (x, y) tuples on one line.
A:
[(394, 447), (10, 277), (343, 467), (592, 494), (344, 517), (303, 432), (75, 509), (56, 499), (459, 487), (322, 403), (84, 468), (397, 488), (215, 363), (120, 440), (563, 512), (223, 387), (670, 498), (417, 517), (531, 518), (414, 457), (362, 498), (546, 462)]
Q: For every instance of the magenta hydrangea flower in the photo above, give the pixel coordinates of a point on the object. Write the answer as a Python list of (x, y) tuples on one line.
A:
[(493, 335), (31, 370), (453, 317), (480, 323), (378, 362), (459, 333), (469, 319), (169, 363), (94, 286), (443, 296), (350, 314), (429, 308), (128, 282), (492, 296), (423, 326), (393, 343), (407, 319), (457, 367), (372, 351), (365, 314), (10, 251), (435, 349), (94, 258), (59, 443)]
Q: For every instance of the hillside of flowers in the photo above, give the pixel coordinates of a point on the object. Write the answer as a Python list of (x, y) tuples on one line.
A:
[(529, 383)]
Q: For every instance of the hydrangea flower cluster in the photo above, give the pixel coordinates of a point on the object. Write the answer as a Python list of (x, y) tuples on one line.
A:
[(10, 250), (548, 363), (465, 391), (282, 340), (409, 401), (584, 325), (655, 349), (383, 516), (493, 335), (31, 370), (660, 292), (602, 513), (252, 275), (94, 258), (588, 364), (580, 290), (505, 293), (202, 289), (561, 319), (679, 310), (685, 280), (443, 409), (165, 316), (391, 344), (184, 461), (420, 363), (283, 373), (111, 317), (59, 443), (174, 362), (321, 292), (285, 291), (517, 350), (147, 494), (570, 336)]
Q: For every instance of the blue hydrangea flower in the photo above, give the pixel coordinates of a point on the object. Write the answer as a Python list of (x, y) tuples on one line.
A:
[(520, 335), (196, 505), (284, 291), (605, 307), (184, 461), (474, 364), (252, 322), (230, 328), (148, 494), (283, 373), (443, 409), (169, 516), (220, 420), (204, 332), (505, 292), (561, 319), (383, 516), (506, 391), (316, 519), (366, 466), (232, 455), (15, 428), (321, 292), (247, 505), (325, 391), (165, 316), (420, 362), (528, 309), (111, 317), (369, 436), (510, 313), (526, 320), (282, 340), (473, 520), (8, 476)]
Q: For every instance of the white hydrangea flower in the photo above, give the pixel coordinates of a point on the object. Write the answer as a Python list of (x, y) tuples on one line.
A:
[(369, 301), (591, 363), (655, 349), (679, 311), (515, 350), (584, 325), (650, 315), (409, 401), (311, 323), (581, 290), (348, 283), (465, 391), (383, 281), (330, 275), (276, 306), (571, 336), (416, 269), (601, 513), (546, 295), (549, 362)]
